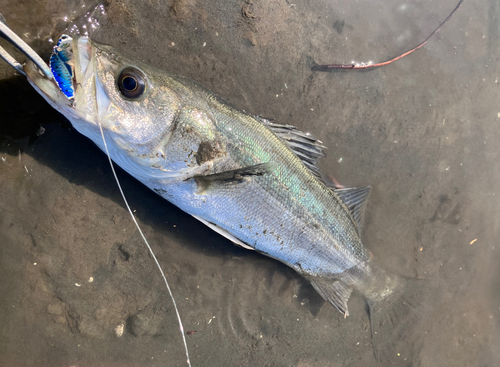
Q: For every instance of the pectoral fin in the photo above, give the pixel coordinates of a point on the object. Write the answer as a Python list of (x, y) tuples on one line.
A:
[(237, 176)]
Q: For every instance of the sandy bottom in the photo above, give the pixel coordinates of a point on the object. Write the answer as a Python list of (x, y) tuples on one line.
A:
[(77, 285)]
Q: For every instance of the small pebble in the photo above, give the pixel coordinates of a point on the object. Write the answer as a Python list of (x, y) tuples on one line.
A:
[(119, 330)]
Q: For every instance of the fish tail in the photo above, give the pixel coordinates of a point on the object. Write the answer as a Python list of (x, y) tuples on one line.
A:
[(398, 320)]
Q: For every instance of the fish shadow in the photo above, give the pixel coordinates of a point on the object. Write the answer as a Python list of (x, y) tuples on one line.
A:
[(81, 162)]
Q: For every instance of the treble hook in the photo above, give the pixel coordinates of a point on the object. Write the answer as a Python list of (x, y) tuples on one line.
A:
[(9, 35)]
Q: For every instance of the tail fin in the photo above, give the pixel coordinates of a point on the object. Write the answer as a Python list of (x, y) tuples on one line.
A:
[(398, 322)]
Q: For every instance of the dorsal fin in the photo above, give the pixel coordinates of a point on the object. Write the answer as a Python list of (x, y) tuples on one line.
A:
[(309, 150), (304, 145), (355, 199)]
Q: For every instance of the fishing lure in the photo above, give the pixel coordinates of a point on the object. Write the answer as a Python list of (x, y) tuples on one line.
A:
[(62, 66)]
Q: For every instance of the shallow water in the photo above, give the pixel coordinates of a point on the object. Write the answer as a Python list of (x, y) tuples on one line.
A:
[(424, 132)]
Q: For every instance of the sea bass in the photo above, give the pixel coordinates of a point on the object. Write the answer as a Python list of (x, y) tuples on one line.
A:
[(253, 181)]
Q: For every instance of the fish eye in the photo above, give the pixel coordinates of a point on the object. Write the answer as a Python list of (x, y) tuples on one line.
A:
[(131, 83)]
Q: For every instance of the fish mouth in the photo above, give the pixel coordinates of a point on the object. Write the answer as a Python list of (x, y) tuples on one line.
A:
[(71, 63)]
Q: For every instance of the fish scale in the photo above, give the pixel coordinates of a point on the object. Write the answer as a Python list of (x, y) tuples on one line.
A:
[(297, 192)]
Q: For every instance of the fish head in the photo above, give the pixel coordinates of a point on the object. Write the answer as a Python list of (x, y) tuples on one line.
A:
[(96, 87)]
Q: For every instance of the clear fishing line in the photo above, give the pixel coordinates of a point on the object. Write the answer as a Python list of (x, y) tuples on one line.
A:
[(147, 244)]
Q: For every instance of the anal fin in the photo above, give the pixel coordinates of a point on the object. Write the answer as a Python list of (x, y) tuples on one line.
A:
[(333, 291)]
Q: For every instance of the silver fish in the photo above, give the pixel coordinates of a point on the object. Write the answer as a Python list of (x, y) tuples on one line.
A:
[(253, 181)]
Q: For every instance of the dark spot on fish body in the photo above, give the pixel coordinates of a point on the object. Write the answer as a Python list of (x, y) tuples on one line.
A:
[(187, 130), (207, 152)]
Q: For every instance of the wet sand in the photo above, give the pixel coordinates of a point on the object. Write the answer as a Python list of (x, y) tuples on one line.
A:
[(424, 132)]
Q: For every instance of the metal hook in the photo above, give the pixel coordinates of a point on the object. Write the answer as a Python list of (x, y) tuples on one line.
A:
[(9, 35)]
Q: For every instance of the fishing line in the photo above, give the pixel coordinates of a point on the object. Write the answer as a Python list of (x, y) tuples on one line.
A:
[(147, 244), (371, 65)]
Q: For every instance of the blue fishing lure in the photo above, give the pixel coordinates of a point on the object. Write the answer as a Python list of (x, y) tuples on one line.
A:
[(61, 65)]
